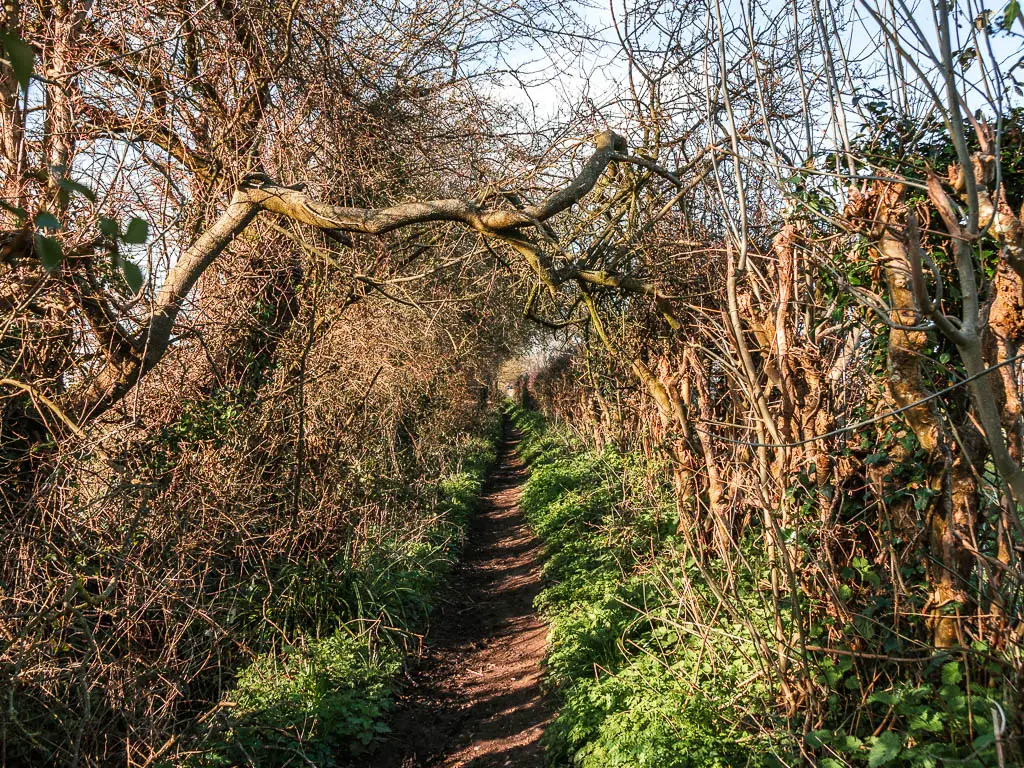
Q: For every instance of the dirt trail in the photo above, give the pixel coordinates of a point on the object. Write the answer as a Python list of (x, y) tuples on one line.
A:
[(476, 699)]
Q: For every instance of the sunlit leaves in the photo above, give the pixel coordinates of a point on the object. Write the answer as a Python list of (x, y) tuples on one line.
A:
[(1012, 13), (885, 749), (951, 674)]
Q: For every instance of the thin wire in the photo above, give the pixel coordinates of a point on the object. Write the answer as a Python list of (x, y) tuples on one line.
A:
[(868, 422)]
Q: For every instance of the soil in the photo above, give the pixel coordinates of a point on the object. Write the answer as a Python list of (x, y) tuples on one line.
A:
[(475, 699)]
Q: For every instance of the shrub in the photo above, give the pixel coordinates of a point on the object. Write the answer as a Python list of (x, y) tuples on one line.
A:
[(634, 690), (651, 668), (318, 703), (326, 699)]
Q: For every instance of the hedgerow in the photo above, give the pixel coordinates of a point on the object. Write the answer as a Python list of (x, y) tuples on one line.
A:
[(326, 699), (641, 681)]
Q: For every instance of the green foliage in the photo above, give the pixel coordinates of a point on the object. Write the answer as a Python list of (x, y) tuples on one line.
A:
[(640, 685), (1012, 13), (48, 247), (137, 231), (940, 722), (327, 698), (646, 716), (51, 254), (211, 420), (634, 691), (315, 706), (20, 56)]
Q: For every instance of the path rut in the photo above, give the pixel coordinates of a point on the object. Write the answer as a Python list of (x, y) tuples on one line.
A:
[(476, 700)]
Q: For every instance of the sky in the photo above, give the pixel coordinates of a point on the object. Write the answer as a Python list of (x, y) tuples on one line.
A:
[(558, 79)]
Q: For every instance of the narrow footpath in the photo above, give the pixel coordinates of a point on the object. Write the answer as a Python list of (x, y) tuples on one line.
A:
[(475, 699)]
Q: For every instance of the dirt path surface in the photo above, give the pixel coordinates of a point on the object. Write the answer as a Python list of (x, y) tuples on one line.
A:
[(476, 699)]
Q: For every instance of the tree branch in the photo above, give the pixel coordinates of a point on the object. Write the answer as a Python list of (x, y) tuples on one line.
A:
[(259, 193)]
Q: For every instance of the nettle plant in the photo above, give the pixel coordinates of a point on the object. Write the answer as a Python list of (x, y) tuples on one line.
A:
[(930, 724)]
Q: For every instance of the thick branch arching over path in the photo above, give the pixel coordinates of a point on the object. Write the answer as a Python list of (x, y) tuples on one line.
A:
[(259, 193)]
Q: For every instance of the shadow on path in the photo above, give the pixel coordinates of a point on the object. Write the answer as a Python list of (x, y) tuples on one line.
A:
[(475, 700)]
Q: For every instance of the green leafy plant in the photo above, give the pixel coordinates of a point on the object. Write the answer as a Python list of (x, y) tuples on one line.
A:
[(623, 671), (318, 704), (327, 697)]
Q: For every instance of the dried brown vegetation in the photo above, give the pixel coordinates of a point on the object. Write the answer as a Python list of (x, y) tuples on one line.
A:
[(260, 264)]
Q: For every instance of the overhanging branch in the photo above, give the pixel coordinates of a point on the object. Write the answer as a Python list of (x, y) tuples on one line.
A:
[(259, 193)]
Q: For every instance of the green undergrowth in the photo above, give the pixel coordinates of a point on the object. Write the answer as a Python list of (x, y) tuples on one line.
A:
[(326, 698), (631, 691), (651, 669)]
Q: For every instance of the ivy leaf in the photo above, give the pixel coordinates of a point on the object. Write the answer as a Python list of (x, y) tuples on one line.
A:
[(73, 186), (136, 232), (876, 458), (109, 227), (20, 56), (885, 749), (46, 220), (132, 275), (51, 255)]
